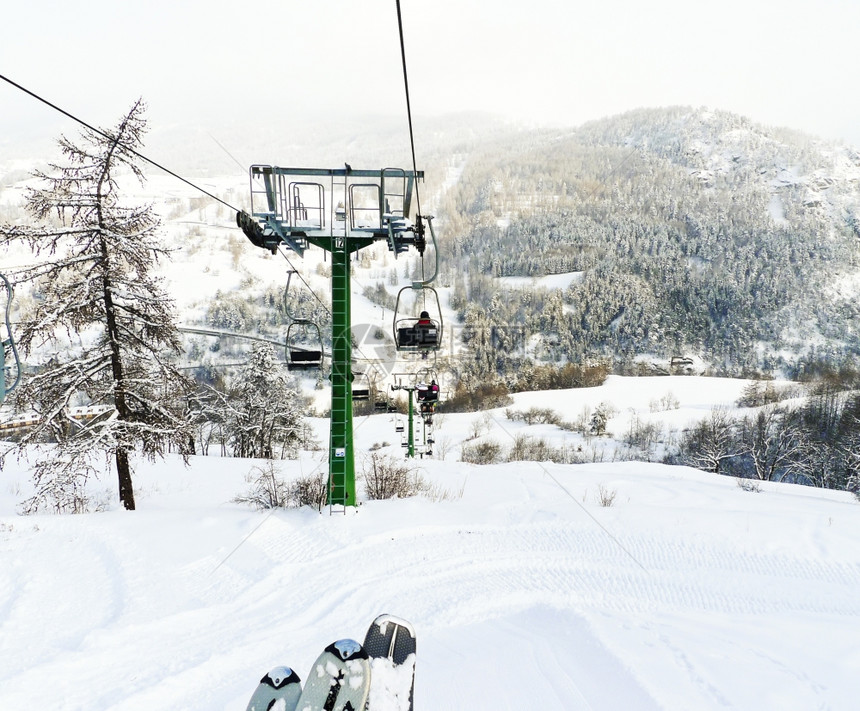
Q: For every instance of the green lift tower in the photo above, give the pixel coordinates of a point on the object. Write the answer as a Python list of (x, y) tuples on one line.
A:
[(340, 210)]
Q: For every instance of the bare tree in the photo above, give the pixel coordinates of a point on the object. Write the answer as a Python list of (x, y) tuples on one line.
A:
[(711, 442), (775, 442), (100, 315), (208, 412)]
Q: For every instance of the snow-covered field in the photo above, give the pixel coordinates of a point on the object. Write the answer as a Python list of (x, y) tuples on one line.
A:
[(687, 593)]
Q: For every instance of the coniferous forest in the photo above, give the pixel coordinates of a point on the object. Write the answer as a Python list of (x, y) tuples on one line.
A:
[(687, 233)]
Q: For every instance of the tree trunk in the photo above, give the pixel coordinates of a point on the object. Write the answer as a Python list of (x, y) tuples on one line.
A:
[(123, 470)]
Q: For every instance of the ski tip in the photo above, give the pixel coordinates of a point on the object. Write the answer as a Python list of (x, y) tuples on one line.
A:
[(347, 649), (382, 621), (280, 677)]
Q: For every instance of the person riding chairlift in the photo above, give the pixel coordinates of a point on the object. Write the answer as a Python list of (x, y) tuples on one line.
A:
[(425, 331), (432, 392)]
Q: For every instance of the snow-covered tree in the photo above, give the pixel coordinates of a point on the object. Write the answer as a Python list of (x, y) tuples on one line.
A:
[(775, 442), (710, 443), (599, 419), (101, 321), (265, 420)]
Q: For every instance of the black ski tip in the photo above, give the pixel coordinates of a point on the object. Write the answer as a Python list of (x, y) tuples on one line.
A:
[(280, 677), (347, 649), (385, 619)]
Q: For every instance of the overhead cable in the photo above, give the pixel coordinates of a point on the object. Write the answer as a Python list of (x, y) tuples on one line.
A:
[(408, 104), (112, 138)]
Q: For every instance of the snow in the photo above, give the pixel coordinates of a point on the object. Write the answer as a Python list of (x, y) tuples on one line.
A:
[(525, 592), (391, 684), (777, 211), (550, 281), (687, 593)]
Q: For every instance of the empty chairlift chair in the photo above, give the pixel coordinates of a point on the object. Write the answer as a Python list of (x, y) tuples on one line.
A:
[(303, 346)]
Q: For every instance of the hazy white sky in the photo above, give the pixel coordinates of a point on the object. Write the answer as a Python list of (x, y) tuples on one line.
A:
[(782, 62)]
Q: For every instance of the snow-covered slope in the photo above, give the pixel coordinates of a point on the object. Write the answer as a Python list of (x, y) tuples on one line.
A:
[(687, 593)]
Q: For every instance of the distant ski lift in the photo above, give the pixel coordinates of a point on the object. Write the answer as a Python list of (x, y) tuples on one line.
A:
[(422, 332), (383, 404), (302, 333)]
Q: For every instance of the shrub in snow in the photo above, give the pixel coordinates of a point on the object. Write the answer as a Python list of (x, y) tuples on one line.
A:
[(309, 490), (749, 485), (484, 396), (486, 452), (534, 416), (643, 436), (531, 449), (269, 490), (386, 478), (606, 497)]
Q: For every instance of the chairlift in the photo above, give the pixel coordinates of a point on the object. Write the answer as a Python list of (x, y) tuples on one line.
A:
[(299, 357), (427, 394), (383, 404), (420, 333), (301, 332)]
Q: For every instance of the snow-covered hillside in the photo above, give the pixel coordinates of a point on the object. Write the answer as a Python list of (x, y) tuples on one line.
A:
[(688, 592), (603, 585)]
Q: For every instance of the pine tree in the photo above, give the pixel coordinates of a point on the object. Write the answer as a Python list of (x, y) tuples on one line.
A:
[(265, 419), (102, 316)]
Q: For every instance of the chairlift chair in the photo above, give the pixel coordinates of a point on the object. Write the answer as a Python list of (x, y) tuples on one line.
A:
[(413, 333), (300, 332), (299, 357)]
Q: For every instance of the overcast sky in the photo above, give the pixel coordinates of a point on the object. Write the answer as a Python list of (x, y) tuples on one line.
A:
[(560, 62)]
